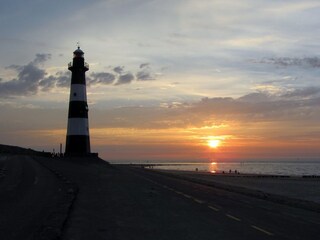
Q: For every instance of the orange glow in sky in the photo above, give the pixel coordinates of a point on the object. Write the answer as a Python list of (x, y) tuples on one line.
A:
[(214, 143), (198, 97), (228, 142)]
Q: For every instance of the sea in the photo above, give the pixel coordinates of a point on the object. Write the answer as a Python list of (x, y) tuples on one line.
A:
[(296, 168)]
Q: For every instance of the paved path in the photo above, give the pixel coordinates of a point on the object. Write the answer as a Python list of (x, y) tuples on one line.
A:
[(131, 203), (29, 197), (293, 187)]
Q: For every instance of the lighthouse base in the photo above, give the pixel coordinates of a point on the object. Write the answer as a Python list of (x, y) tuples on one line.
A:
[(77, 145)]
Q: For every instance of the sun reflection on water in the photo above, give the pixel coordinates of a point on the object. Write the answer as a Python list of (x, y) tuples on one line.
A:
[(213, 167)]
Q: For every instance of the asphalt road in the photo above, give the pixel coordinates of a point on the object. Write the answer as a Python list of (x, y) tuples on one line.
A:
[(29, 194), (131, 203), (235, 216)]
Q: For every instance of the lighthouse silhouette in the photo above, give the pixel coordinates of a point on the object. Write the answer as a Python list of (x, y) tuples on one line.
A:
[(78, 139)]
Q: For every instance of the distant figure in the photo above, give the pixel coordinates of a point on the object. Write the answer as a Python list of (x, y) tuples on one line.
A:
[(230, 171), (235, 171), (222, 172), (196, 169)]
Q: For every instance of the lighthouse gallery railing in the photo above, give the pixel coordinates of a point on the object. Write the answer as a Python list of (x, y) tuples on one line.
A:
[(70, 64)]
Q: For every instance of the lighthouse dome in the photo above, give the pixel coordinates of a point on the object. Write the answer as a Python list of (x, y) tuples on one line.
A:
[(78, 52)]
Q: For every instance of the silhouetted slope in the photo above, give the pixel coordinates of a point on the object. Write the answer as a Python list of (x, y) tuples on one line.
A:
[(7, 149)]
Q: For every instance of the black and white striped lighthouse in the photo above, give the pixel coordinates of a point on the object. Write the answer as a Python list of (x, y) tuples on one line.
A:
[(78, 140)]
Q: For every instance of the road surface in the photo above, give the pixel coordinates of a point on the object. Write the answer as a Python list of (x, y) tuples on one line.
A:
[(132, 203), (29, 198)]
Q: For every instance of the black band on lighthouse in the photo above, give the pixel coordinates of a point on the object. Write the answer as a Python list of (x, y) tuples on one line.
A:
[(78, 140), (78, 109)]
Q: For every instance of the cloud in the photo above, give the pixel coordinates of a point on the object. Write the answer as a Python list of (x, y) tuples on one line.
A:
[(255, 97), (47, 83), (309, 62), (63, 79), (144, 76), (253, 108), (121, 76), (125, 79), (33, 78), (309, 92), (27, 81), (143, 65), (243, 106), (294, 106), (41, 58), (101, 77), (119, 69)]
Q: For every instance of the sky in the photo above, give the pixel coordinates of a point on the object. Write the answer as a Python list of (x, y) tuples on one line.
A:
[(166, 77)]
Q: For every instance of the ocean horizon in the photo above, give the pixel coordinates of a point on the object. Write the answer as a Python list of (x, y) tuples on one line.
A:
[(272, 167)]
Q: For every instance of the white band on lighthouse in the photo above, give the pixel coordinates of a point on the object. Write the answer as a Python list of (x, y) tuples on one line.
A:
[(78, 92), (78, 126)]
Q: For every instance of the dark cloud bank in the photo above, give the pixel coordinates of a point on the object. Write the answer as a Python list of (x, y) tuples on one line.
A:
[(300, 106), (308, 62), (32, 78)]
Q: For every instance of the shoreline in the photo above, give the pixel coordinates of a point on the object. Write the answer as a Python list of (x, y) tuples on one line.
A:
[(292, 169), (234, 172), (239, 174)]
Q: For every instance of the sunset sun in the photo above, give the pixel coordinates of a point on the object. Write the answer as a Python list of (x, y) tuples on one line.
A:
[(213, 143)]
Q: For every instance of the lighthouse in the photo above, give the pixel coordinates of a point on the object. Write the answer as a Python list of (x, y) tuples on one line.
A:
[(78, 140)]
